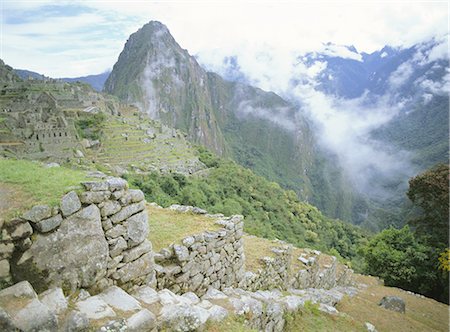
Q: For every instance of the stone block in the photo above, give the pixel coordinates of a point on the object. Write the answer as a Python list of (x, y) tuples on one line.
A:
[(110, 208), (37, 213), (47, 225), (35, 316), (95, 308), (117, 247), (140, 267), (127, 212), (22, 290), (6, 250), (4, 269), (54, 300), (137, 228), (94, 197), (95, 186), (70, 203), (116, 231), (143, 320), (19, 229), (116, 184), (76, 321), (118, 299)]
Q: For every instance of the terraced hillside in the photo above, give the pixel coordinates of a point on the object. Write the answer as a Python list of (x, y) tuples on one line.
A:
[(134, 140)]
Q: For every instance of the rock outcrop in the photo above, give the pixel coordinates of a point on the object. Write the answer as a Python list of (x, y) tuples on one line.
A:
[(146, 309)]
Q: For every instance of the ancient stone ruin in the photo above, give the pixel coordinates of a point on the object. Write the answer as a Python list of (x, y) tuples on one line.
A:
[(91, 263)]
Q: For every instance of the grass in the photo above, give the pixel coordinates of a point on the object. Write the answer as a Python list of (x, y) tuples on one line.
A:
[(256, 248), (310, 319), (167, 226), (230, 324), (422, 314), (29, 183)]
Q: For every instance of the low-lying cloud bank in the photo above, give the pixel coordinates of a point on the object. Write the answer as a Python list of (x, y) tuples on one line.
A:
[(344, 127)]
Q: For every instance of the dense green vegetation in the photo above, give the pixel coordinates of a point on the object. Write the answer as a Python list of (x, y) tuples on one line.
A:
[(90, 125), (409, 257), (269, 211)]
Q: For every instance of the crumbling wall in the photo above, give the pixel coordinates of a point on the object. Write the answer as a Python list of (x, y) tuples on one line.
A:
[(275, 271), (210, 259), (94, 239)]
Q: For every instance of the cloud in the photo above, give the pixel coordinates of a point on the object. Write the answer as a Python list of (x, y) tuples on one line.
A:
[(228, 27), (340, 51), (401, 75)]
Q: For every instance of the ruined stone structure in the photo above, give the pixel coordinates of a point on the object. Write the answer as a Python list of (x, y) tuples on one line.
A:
[(95, 242), (210, 259)]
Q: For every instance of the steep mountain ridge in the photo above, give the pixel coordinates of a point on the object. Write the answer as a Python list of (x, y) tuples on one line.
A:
[(258, 129)]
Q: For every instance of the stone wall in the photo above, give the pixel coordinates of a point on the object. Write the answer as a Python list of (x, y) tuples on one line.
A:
[(94, 239), (210, 259), (275, 271)]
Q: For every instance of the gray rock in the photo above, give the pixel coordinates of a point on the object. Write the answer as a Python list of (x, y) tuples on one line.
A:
[(51, 165), (183, 317), (82, 295), (47, 225), (95, 308), (127, 212), (137, 228), (64, 257), (143, 320), (217, 313), (292, 303), (110, 208), (70, 203), (6, 322), (117, 298), (393, 303), (37, 213), (94, 197), (116, 231), (197, 210), (370, 327), (181, 252), (132, 196), (76, 322), (118, 246), (95, 186), (22, 290), (188, 241), (20, 229), (167, 297), (140, 267), (4, 269), (35, 317), (136, 252), (54, 299), (117, 184), (192, 297), (328, 309), (146, 294), (6, 250), (118, 325), (214, 294)]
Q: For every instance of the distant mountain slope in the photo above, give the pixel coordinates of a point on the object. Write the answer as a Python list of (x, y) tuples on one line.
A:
[(95, 81), (258, 129)]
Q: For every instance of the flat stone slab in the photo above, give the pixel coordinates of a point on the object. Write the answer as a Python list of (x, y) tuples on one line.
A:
[(119, 299), (95, 308)]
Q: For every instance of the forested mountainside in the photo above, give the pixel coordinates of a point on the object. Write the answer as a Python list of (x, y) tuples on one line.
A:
[(258, 129)]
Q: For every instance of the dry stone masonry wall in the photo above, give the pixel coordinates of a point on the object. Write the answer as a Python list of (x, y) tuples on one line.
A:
[(210, 259), (93, 240)]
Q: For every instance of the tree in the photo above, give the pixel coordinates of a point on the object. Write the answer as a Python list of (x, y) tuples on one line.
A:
[(429, 191), (393, 255)]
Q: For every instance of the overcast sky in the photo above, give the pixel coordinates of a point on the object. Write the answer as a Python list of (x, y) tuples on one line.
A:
[(77, 38)]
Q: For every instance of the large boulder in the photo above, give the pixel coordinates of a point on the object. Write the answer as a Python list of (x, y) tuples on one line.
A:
[(74, 256), (393, 303)]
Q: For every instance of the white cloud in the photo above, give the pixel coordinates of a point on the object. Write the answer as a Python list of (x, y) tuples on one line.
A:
[(341, 52), (230, 27), (401, 75)]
